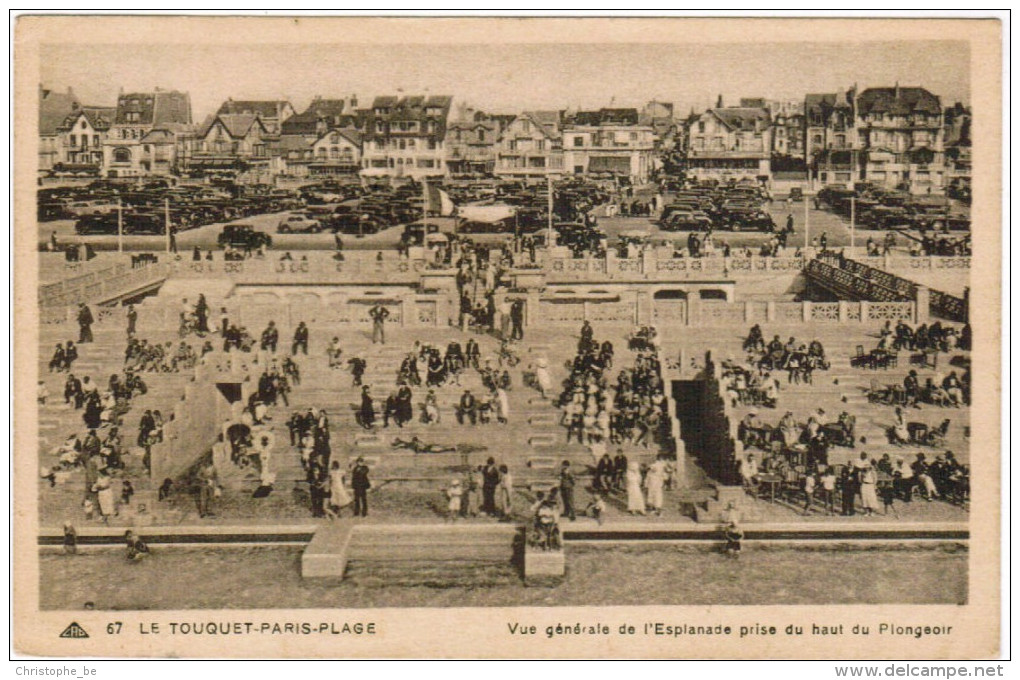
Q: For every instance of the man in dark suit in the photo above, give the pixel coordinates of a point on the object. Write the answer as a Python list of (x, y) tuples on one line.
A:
[(567, 491), (361, 484), (379, 315), (490, 481), (300, 339), (517, 320), (270, 337), (467, 408)]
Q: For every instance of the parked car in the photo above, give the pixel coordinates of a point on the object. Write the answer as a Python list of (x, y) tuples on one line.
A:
[(299, 223), (243, 236)]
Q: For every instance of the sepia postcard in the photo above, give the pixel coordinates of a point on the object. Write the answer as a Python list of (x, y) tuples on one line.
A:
[(507, 338)]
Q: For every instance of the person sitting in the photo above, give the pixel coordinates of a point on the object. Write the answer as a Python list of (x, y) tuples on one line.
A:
[(334, 352), (136, 548), (954, 389), (467, 408), (899, 433), (733, 535), (56, 364), (546, 532), (749, 474)]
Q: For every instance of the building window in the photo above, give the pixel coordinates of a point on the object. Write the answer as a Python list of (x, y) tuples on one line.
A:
[(410, 144), (432, 145), (121, 155), (578, 141), (816, 139), (334, 153), (701, 127), (633, 136), (526, 125), (74, 140), (95, 140), (146, 148)]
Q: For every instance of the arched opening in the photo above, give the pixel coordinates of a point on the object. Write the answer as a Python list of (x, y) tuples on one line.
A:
[(121, 155)]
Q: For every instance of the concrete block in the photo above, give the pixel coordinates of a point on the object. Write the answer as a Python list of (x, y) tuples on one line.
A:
[(327, 553), (542, 441), (544, 568)]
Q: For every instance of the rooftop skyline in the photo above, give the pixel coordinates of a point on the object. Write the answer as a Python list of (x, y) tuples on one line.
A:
[(507, 78)]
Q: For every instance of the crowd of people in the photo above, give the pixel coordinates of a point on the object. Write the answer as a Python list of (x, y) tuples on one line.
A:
[(865, 485)]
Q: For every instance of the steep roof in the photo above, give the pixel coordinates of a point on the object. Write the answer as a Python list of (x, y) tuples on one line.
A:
[(352, 135), (268, 108), (158, 136), (331, 111), (409, 108), (547, 121), (54, 107), (237, 125), (898, 100), (742, 118), (99, 117), (154, 108)]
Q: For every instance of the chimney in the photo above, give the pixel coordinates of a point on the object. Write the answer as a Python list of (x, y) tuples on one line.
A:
[(719, 102)]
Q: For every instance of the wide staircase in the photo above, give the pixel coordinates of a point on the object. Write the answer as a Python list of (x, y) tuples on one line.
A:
[(845, 388), (57, 421), (532, 444)]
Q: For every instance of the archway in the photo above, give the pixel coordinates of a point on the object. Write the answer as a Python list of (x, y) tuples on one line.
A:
[(669, 306)]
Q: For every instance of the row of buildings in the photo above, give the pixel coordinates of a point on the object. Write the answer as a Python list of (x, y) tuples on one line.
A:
[(897, 136)]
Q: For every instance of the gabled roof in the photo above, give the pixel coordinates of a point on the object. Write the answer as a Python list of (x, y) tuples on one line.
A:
[(331, 111), (237, 125), (295, 143), (741, 118), (352, 135), (54, 107), (268, 108), (546, 121), (898, 100), (99, 117)]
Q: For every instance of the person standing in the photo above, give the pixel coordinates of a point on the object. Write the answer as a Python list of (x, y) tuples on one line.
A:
[(202, 315), (379, 315), (360, 484), (132, 320), (567, 491), (85, 321), (208, 481), (300, 339), (654, 482), (173, 239), (490, 480), (517, 320), (869, 489), (635, 499)]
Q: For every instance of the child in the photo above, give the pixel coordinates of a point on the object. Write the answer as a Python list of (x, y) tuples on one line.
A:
[(88, 507), (888, 493), (734, 535), (136, 549), (453, 497), (597, 507), (127, 490), (809, 492), (70, 539)]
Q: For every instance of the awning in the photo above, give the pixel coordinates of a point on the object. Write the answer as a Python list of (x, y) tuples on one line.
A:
[(616, 164), (485, 213)]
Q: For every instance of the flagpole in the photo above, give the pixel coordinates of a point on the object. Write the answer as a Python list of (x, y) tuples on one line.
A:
[(549, 237), (807, 222), (166, 222), (853, 217), (120, 225)]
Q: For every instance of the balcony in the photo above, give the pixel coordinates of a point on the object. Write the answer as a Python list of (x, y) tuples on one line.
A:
[(732, 153)]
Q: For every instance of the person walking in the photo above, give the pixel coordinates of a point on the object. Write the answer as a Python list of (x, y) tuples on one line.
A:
[(360, 483), (85, 321)]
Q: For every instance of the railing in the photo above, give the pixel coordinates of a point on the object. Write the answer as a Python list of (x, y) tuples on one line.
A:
[(97, 285), (305, 268), (858, 280), (665, 269)]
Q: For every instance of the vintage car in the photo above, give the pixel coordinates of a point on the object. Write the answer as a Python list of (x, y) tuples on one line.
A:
[(299, 223), (243, 236)]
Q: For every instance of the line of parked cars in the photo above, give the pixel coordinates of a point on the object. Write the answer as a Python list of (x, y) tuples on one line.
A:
[(704, 206), (880, 208)]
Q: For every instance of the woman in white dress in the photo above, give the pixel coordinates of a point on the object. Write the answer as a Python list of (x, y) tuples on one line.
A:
[(338, 496), (654, 481), (503, 405), (542, 376), (104, 492), (901, 433), (635, 499), (869, 489)]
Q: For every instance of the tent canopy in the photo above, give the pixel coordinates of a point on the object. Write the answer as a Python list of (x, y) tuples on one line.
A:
[(486, 213)]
